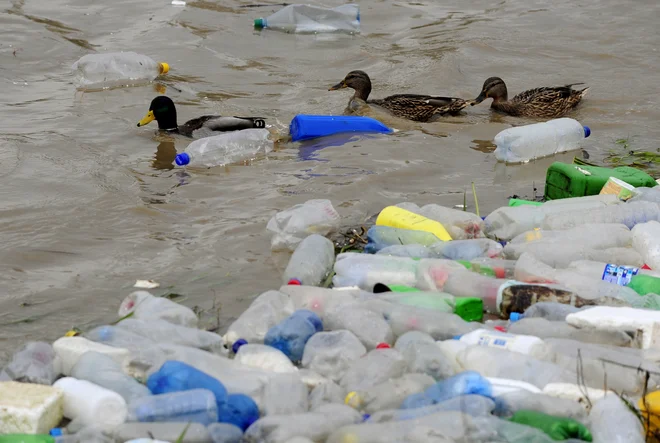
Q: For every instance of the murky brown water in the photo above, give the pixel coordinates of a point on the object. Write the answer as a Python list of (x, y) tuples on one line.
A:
[(90, 203)]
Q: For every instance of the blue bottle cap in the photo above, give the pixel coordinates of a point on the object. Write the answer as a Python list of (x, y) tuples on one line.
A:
[(237, 344), (587, 131), (515, 316), (456, 337), (56, 432), (365, 417), (259, 23), (182, 159)]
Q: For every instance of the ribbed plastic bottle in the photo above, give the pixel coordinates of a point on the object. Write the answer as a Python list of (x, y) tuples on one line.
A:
[(524, 143), (225, 149), (115, 68)]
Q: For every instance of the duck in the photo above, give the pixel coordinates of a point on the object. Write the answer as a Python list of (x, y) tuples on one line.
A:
[(416, 107), (545, 102), (162, 110)]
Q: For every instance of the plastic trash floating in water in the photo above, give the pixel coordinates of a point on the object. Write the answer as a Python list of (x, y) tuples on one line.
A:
[(304, 127), (310, 19)]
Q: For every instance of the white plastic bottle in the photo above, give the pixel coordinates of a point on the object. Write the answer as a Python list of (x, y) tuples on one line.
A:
[(311, 262), (646, 241), (313, 19), (523, 344), (524, 143), (115, 68), (225, 149)]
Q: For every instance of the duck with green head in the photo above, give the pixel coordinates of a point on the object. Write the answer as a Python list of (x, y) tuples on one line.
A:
[(545, 102), (416, 107), (162, 110)]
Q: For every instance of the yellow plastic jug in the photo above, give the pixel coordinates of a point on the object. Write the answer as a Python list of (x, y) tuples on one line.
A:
[(396, 217)]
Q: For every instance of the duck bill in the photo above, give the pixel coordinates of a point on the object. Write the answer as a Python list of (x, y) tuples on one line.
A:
[(479, 99), (340, 85), (147, 119)]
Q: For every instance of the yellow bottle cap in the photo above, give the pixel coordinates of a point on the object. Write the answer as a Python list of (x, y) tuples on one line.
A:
[(353, 400), (164, 68), (350, 438), (72, 333)]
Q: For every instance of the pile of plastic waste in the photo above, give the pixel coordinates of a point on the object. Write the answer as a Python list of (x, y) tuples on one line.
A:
[(537, 323)]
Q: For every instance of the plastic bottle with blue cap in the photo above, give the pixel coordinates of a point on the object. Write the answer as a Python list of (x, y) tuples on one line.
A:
[(227, 148), (291, 335), (299, 18), (524, 143)]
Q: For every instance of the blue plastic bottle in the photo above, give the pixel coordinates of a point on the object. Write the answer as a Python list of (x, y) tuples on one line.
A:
[(225, 433), (467, 382), (239, 410), (176, 376), (304, 127), (292, 333), (196, 406)]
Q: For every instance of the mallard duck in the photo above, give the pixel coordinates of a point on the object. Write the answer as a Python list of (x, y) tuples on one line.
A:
[(162, 110), (416, 107), (547, 102)]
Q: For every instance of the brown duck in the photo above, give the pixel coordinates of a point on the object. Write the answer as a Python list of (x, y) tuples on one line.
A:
[(416, 107), (546, 102)]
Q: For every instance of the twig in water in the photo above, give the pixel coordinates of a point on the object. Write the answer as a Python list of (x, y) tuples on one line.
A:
[(476, 202)]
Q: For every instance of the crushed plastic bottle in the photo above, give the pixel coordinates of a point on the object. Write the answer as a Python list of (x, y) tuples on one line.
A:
[(144, 306), (331, 353), (32, 363), (225, 149), (309, 19), (291, 335), (115, 69), (389, 394), (291, 226)]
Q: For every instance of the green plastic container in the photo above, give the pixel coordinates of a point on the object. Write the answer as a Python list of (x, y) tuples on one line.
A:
[(565, 180), (26, 438), (557, 428), (645, 284), (469, 308), (521, 202)]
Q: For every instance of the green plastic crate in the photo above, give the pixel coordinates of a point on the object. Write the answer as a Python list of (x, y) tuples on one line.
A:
[(565, 180)]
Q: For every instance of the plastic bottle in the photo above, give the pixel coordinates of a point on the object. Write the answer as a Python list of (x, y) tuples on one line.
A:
[(423, 355), (524, 143), (375, 367), (115, 68), (325, 393), (310, 19), (320, 300), (32, 363), (543, 329), (467, 249), (176, 376), (195, 432), (612, 421), (471, 404), (594, 235), (292, 333), (87, 404), (161, 331), (389, 394), (69, 349), (145, 306), (555, 427), (524, 344), (629, 214), (225, 149), (291, 226), (26, 438), (646, 240), (267, 310), (396, 217), (494, 267), (380, 237), (368, 326), (239, 410), (264, 357), (461, 225), (609, 272), (305, 127), (195, 405), (107, 373), (332, 353), (468, 382), (311, 262), (365, 270), (285, 394), (225, 433), (551, 311), (511, 402), (144, 353)]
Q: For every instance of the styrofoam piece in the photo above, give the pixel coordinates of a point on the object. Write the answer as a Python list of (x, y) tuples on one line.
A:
[(91, 405), (504, 386), (645, 323), (576, 393), (27, 408), (69, 349)]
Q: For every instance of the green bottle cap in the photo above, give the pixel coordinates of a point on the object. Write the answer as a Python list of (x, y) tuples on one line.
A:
[(469, 308)]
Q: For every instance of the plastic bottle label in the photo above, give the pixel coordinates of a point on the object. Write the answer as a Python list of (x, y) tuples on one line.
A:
[(620, 275), (496, 342)]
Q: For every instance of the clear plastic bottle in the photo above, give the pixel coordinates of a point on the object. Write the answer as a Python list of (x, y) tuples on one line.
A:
[(374, 368), (471, 404), (321, 300), (461, 225), (292, 225), (311, 262), (380, 237), (292, 333), (115, 68), (285, 394), (551, 311), (161, 331), (611, 420), (145, 306), (225, 149), (195, 406), (32, 363), (389, 394), (423, 355), (107, 373), (365, 270), (646, 240), (370, 327), (629, 214), (332, 353), (195, 432), (543, 328), (225, 433), (524, 143), (308, 19), (467, 382)]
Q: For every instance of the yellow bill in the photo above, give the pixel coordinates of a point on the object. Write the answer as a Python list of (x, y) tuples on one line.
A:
[(147, 119)]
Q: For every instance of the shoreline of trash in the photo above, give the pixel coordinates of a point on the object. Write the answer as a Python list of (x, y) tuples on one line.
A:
[(535, 323)]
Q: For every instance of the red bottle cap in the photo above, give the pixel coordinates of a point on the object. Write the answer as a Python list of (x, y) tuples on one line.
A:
[(646, 267), (500, 328), (295, 282), (383, 346), (499, 272)]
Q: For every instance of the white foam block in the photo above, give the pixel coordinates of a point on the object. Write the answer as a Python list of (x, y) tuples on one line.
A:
[(645, 323), (27, 408), (69, 349)]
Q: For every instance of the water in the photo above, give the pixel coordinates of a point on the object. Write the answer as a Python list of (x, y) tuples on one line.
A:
[(90, 203)]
